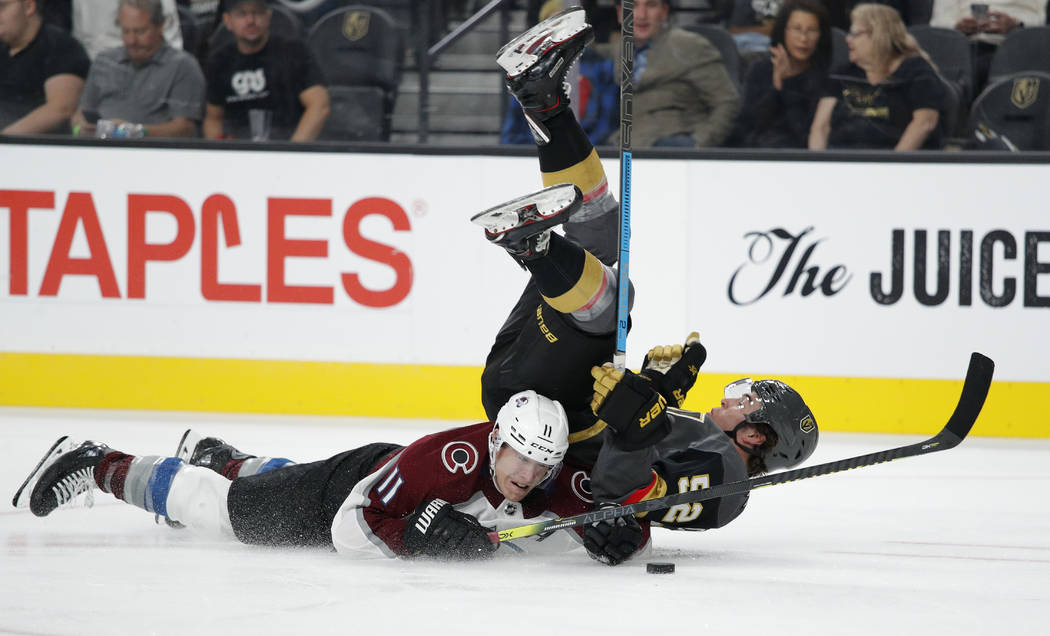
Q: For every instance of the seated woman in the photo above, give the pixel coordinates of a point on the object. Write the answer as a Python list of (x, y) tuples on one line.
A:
[(889, 97), (781, 92)]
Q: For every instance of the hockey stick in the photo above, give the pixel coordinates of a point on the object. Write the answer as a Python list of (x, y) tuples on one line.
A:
[(974, 391), (626, 105)]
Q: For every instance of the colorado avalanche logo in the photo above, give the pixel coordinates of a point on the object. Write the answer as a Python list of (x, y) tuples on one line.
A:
[(581, 485), (459, 455), (521, 401)]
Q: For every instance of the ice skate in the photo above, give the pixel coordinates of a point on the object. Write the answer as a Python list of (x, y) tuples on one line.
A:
[(210, 452), (522, 226), (66, 471), (537, 61)]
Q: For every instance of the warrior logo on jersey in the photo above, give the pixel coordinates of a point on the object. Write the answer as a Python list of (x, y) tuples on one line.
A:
[(806, 424), (581, 485), (459, 455)]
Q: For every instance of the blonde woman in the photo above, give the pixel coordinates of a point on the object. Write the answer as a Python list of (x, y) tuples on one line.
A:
[(890, 96)]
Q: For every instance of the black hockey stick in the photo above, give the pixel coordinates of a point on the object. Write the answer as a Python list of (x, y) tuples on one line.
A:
[(974, 391), (626, 156)]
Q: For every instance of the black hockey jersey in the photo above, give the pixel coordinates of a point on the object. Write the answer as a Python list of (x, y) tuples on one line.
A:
[(695, 455)]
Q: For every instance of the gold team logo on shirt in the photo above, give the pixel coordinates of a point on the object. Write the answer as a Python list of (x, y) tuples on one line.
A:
[(355, 25), (1024, 92)]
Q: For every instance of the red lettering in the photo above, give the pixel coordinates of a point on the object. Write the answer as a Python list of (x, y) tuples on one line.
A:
[(219, 207), (280, 248), (378, 252), (20, 202), (80, 207), (139, 251)]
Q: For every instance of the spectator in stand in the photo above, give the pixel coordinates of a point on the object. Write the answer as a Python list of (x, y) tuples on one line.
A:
[(989, 26), (156, 89), (264, 77), (781, 92), (683, 95), (95, 24), (890, 95), (751, 23), (42, 71)]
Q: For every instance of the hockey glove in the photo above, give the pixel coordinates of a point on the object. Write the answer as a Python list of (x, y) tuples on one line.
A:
[(612, 541), (673, 368), (630, 406), (437, 529)]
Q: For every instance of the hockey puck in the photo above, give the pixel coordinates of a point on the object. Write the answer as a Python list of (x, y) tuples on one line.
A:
[(659, 568)]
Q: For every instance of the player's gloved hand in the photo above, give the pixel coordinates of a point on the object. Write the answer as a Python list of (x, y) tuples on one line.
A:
[(612, 541), (437, 529), (673, 368), (631, 406)]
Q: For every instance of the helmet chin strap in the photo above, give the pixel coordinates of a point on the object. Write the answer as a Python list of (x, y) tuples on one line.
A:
[(750, 450)]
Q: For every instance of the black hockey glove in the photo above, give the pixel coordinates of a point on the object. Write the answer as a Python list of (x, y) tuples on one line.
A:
[(673, 368), (630, 405), (612, 541), (437, 529)]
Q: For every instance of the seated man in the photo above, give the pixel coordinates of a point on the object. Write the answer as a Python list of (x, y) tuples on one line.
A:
[(148, 86), (988, 27), (264, 77), (96, 25), (436, 497), (42, 71), (683, 95)]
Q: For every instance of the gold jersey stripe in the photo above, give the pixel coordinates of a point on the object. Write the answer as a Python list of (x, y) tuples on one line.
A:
[(587, 174), (588, 432), (585, 289)]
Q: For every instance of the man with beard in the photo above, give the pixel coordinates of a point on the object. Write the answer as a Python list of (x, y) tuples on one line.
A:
[(263, 77)]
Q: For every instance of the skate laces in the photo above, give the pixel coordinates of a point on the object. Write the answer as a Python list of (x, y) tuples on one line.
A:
[(73, 485)]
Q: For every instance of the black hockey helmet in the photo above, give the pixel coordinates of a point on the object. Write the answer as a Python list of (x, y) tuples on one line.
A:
[(784, 411)]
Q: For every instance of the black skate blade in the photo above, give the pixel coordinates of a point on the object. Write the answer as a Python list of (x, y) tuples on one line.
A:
[(33, 473)]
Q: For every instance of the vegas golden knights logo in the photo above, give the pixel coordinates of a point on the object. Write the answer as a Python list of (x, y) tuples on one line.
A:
[(1025, 92), (807, 424), (355, 25)]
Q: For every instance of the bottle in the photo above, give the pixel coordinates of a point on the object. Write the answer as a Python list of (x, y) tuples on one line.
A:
[(108, 129), (130, 131), (105, 129)]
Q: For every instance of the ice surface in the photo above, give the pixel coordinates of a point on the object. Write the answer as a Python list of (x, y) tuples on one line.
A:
[(950, 543)]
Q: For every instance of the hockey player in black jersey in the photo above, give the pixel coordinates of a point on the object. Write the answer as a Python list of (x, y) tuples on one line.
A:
[(561, 333)]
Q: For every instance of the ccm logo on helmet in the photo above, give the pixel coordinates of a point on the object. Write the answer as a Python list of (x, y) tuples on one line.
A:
[(541, 447), (806, 424)]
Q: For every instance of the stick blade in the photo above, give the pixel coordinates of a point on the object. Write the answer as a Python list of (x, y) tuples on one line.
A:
[(974, 392)]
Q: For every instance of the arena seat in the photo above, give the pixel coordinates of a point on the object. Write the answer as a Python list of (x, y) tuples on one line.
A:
[(1026, 49), (358, 47), (1015, 107), (726, 45), (950, 51)]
